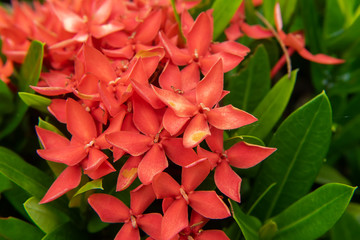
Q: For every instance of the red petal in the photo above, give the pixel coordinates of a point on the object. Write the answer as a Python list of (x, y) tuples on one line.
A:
[(216, 140), (245, 155), (170, 78), (141, 198), (277, 17), (149, 28), (128, 232), (179, 104), (96, 158), (190, 77), (209, 90), (196, 131), (177, 56), (147, 93), (51, 91), (100, 31), (212, 235), (227, 181), (128, 173), (212, 157), (51, 139), (71, 21), (125, 52), (58, 109), (256, 31), (150, 224), (67, 180), (108, 99), (208, 204), (232, 47), (165, 186), (96, 63), (200, 35), (69, 155), (177, 153), (153, 162), (172, 123), (175, 219), (230, 61), (320, 58), (80, 122), (145, 118), (104, 169), (229, 117), (109, 208), (131, 142), (102, 12), (193, 176), (186, 22)]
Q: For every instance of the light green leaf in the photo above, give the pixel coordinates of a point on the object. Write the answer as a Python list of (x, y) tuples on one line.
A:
[(44, 216), (270, 108), (313, 215), (347, 228), (48, 126), (95, 184), (15, 229), (31, 68), (224, 10), (35, 101), (249, 86), (328, 174), (249, 225), (302, 141), (249, 139), (268, 8)]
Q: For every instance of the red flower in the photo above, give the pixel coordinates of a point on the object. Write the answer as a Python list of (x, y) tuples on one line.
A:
[(112, 210)]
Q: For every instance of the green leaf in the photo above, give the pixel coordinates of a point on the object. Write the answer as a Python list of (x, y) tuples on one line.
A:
[(249, 139), (95, 224), (95, 184), (6, 99), (35, 101), (5, 184), (347, 228), (31, 68), (302, 141), (288, 8), (354, 210), (249, 225), (44, 216), (260, 198), (250, 85), (313, 215), (28, 177), (224, 10), (15, 229), (48, 126), (268, 8), (328, 174), (270, 108), (16, 196), (65, 232)]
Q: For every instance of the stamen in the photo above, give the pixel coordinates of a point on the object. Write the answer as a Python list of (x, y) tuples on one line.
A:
[(203, 107), (90, 144), (133, 221), (196, 54), (184, 195), (179, 91)]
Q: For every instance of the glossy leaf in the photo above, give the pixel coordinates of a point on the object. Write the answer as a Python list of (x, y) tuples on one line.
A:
[(302, 141), (35, 101), (244, 138), (95, 184), (249, 86), (223, 12), (31, 68), (45, 217), (249, 225), (270, 108), (15, 229), (48, 126), (313, 215)]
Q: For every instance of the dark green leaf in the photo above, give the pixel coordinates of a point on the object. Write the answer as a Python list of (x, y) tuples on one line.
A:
[(223, 12), (5, 183), (95, 224), (328, 174), (270, 108), (35, 101), (260, 197), (302, 141), (12, 122), (354, 210), (6, 98), (232, 231), (31, 68), (65, 232), (44, 216), (251, 84), (313, 215), (16, 196), (347, 228), (16, 229), (249, 225)]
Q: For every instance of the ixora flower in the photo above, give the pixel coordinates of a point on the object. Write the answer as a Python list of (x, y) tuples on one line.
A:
[(205, 110), (112, 210), (177, 198)]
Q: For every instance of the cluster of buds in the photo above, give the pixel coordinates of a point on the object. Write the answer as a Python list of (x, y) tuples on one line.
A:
[(133, 87)]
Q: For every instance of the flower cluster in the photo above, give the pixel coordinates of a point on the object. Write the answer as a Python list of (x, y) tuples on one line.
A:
[(133, 87)]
